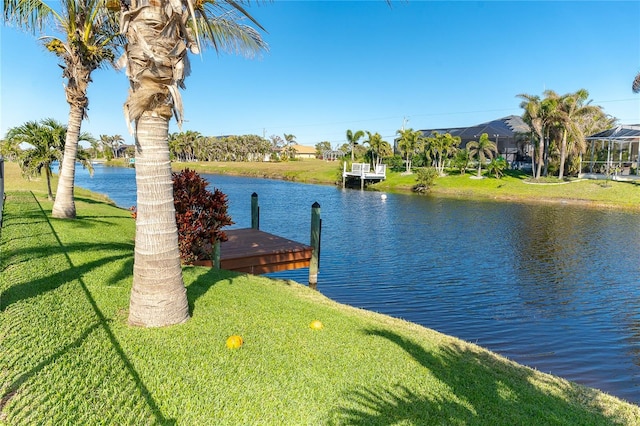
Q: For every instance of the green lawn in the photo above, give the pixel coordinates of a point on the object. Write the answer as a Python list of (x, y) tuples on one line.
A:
[(515, 186), (69, 357)]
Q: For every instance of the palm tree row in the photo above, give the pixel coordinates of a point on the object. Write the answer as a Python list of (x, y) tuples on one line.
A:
[(559, 125), (373, 149), (438, 149), (192, 146)]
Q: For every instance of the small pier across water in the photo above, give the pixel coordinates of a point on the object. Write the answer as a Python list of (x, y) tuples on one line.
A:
[(363, 173)]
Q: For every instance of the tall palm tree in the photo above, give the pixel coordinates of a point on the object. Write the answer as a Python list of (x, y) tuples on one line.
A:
[(290, 141), (159, 34), (352, 140), (378, 148), (534, 116), (47, 141), (87, 42), (481, 149), (409, 143), (636, 84), (113, 143), (571, 107)]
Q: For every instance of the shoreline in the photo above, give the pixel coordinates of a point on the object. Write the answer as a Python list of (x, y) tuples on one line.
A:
[(319, 172)]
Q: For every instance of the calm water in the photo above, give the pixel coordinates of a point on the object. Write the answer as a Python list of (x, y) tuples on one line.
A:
[(553, 287)]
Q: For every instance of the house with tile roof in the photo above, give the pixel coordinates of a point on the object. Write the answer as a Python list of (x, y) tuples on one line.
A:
[(510, 134)]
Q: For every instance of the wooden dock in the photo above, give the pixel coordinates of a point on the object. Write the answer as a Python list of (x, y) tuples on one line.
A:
[(257, 252)]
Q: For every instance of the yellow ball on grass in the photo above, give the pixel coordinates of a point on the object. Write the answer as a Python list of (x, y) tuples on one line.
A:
[(234, 342), (315, 325)]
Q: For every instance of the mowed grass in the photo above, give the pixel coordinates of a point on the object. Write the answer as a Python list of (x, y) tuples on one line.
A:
[(305, 171), (69, 357), (516, 186)]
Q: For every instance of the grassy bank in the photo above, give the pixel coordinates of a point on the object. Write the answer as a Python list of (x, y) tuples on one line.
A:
[(68, 356), (512, 187), (515, 186)]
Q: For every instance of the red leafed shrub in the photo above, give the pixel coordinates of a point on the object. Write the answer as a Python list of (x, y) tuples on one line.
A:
[(200, 215)]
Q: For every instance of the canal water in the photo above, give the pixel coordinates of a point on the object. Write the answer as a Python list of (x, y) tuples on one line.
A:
[(554, 287)]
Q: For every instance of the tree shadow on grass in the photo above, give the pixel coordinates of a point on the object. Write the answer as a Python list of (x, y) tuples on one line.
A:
[(486, 390), (206, 278), (22, 369), (87, 200), (89, 222), (52, 280)]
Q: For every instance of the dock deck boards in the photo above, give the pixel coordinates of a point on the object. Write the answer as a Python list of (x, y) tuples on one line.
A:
[(257, 252)]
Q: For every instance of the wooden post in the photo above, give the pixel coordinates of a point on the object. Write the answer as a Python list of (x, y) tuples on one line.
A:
[(255, 212), (215, 254), (344, 174), (316, 231)]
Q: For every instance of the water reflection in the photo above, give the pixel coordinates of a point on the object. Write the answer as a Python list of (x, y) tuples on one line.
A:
[(554, 287)]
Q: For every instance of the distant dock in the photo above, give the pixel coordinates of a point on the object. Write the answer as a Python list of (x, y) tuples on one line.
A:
[(362, 172)]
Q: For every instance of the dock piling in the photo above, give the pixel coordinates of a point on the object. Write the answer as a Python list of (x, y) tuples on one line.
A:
[(255, 212), (316, 230), (215, 255)]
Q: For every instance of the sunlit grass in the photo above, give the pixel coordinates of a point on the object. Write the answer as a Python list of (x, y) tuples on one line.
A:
[(304, 171), (69, 357), (515, 187)]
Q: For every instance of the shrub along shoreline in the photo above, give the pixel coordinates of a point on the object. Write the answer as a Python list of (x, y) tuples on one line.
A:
[(69, 356)]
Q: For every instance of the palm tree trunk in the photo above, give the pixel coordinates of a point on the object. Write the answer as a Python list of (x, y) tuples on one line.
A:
[(47, 173), (546, 155), (158, 295), (540, 156), (64, 207), (563, 154)]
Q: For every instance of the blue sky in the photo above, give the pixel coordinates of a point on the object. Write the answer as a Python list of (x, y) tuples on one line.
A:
[(365, 65)]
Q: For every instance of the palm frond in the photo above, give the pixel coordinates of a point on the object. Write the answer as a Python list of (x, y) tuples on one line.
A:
[(225, 33), (31, 15)]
